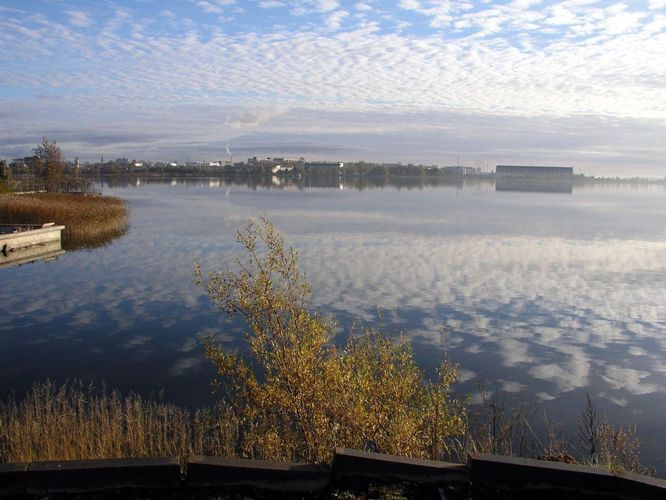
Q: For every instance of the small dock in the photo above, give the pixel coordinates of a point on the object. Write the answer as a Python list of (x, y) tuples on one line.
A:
[(23, 243)]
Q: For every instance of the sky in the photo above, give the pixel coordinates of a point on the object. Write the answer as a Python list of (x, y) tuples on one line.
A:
[(577, 83)]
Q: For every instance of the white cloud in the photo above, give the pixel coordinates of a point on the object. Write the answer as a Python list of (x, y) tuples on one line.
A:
[(303, 7), (410, 5), (439, 11), (250, 119), (512, 386), (630, 380), (476, 74), (363, 6), (493, 60), (79, 18), (544, 396), (183, 365), (326, 5), (465, 375), (270, 4), (208, 7), (334, 20)]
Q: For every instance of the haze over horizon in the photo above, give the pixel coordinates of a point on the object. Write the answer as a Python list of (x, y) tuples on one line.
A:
[(579, 83)]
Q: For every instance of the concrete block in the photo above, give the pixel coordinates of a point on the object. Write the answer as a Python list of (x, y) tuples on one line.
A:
[(262, 474), (80, 476), (12, 479), (351, 464), (532, 476)]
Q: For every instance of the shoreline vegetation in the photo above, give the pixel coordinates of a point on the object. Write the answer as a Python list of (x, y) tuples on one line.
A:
[(74, 421), (90, 221), (36, 166), (297, 396)]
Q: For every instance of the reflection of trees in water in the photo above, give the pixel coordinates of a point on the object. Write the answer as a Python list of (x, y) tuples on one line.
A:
[(534, 185), (323, 180)]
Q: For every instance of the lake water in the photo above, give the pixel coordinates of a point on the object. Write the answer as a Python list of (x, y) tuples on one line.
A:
[(548, 294)]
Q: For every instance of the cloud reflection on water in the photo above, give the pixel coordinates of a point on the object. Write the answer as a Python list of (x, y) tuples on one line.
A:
[(549, 293), (546, 305)]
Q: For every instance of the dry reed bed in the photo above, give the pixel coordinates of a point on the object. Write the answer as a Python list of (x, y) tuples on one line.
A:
[(90, 221), (76, 422)]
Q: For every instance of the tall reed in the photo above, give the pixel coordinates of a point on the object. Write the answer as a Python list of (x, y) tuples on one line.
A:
[(74, 421), (90, 221)]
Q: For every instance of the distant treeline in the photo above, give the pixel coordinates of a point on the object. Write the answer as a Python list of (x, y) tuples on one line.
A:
[(287, 169), (353, 169), (253, 166)]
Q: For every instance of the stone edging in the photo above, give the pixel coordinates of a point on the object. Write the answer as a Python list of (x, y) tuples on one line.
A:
[(484, 475)]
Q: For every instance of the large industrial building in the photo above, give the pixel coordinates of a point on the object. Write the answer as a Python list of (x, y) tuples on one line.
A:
[(533, 171)]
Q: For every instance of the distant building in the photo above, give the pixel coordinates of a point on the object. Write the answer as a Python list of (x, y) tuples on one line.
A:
[(460, 170), (279, 169), (532, 171)]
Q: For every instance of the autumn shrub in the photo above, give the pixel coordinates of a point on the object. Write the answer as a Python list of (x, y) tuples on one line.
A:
[(296, 395)]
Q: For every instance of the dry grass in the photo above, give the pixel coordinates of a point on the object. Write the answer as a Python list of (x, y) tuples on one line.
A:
[(619, 449), (90, 221), (76, 422), (80, 422), (503, 425)]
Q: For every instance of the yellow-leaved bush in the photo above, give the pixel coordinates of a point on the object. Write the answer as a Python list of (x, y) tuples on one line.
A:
[(297, 396)]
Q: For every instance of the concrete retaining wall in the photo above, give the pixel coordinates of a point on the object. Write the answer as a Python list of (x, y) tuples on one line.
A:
[(484, 476)]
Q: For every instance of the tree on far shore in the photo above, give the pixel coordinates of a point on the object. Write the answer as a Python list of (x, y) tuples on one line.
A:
[(49, 162)]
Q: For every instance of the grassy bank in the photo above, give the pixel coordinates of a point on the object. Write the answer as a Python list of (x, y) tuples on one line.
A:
[(90, 221), (74, 421)]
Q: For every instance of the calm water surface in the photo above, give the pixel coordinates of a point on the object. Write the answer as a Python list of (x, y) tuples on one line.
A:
[(550, 295)]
